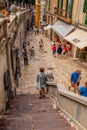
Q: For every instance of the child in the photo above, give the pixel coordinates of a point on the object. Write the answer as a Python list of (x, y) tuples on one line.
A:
[(32, 51)]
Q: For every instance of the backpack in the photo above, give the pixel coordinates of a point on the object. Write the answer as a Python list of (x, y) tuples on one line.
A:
[(43, 79)]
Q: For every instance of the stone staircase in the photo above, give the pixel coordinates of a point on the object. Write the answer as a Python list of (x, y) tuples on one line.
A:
[(31, 113)]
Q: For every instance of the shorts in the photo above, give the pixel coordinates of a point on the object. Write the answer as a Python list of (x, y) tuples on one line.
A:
[(74, 84), (54, 52)]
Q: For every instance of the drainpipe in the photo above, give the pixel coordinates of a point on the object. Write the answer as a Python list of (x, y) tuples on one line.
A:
[(37, 19)]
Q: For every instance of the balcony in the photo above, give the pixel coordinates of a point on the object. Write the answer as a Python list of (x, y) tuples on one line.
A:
[(63, 15)]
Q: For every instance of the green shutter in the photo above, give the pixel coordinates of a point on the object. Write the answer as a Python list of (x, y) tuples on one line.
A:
[(60, 4), (66, 4), (85, 6), (71, 6), (57, 3), (86, 19)]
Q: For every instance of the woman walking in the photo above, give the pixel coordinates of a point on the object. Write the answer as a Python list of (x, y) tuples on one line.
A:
[(41, 45), (59, 51), (42, 79)]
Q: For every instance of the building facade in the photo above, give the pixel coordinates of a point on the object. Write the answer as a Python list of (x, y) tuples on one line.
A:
[(68, 12), (12, 35)]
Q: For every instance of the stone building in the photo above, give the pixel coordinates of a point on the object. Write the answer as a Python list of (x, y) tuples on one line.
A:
[(72, 17), (12, 35)]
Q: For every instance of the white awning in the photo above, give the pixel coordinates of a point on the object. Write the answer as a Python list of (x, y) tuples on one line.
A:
[(47, 27), (62, 29), (78, 38)]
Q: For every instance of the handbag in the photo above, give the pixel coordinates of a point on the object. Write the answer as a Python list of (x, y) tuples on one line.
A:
[(38, 86)]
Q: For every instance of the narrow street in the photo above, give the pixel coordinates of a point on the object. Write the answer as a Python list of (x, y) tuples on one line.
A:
[(29, 112), (62, 68)]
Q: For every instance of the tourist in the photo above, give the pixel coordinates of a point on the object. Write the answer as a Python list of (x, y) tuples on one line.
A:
[(41, 45), (41, 82), (54, 50), (83, 90), (68, 49), (65, 51), (59, 51), (32, 51), (25, 56), (74, 80)]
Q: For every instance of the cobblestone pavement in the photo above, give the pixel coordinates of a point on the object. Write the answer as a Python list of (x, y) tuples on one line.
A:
[(62, 68)]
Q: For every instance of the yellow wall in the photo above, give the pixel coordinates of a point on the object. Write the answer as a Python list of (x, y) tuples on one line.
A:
[(37, 19), (77, 13)]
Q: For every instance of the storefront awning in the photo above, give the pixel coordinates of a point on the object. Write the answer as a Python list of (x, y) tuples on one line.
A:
[(78, 38), (62, 29), (47, 27)]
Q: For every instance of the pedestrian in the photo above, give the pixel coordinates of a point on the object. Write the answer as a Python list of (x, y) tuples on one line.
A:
[(32, 51), (40, 30), (25, 56), (68, 48), (59, 51), (35, 30), (74, 80), (83, 90), (41, 45), (42, 79), (65, 50), (54, 50)]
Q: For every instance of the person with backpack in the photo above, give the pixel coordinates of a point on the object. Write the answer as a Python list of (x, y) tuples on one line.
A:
[(42, 79)]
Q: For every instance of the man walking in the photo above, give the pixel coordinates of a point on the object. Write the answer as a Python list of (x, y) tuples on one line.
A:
[(83, 90), (74, 79)]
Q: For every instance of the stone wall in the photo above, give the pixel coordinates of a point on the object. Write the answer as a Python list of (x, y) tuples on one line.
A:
[(74, 105), (11, 34)]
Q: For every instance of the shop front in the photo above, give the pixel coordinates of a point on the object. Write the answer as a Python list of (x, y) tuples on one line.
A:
[(61, 30), (78, 39)]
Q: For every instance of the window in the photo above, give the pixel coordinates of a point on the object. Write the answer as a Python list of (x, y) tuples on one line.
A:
[(69, 6), (60, 3)]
